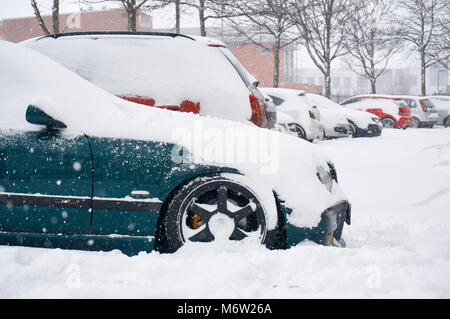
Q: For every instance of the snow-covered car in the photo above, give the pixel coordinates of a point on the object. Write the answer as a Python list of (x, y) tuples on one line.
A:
[(295, 116), (423, 111), (361, 123), (442, 104), (83, 169), (333, 122), (166, 70), (393, 112)]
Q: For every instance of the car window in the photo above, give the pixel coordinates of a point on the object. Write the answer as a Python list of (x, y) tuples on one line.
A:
[(166, 70), (237, 66), (352, 101), (427, 103), (400, 102), (410, 102), (276, 100)]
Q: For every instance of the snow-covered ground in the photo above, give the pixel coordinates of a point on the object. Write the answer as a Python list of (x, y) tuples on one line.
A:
[(398, 243)]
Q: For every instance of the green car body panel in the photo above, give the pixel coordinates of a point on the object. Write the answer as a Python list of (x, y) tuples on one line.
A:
[(75, 191), (71, 191)]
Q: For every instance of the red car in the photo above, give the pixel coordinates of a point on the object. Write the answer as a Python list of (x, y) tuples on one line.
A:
[(392, 111)]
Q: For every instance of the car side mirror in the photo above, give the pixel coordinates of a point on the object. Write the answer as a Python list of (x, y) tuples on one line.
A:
[(35, 115), (255, 84)]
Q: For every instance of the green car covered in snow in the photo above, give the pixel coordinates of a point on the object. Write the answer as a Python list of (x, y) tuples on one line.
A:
[(83, 169)]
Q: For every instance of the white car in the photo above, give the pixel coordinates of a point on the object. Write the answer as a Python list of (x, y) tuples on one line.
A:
[(361, 123), (423, 111), (442, 104), (171, 71), (295, 116)]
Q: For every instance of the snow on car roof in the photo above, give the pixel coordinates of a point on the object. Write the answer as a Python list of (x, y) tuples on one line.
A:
[(28, 77), (166, 69)]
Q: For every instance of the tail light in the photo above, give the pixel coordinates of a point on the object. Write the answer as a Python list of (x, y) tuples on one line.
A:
[(423, 106), (404, 111), (258, 107), (139, 99)]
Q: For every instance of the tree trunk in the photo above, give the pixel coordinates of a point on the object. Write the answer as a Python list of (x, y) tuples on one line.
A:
[(373, 86), (327, 76), (41, 22), (276, 66), (422, 74), (55, 16), (131, 19), (201, 13), (177, 17)]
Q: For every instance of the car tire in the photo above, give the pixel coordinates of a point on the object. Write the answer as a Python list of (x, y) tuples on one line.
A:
[(353, 129), (199, 212), (415, 122), (300, 132), (446, 121), (388, 123)]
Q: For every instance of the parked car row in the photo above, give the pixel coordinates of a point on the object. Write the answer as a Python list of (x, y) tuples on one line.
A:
[(312, 116), (442, 104), (101, 148), (107, 142), (397, 111)]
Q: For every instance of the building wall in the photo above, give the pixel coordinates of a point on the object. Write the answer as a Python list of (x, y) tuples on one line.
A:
[(19, 29), (260, 63)]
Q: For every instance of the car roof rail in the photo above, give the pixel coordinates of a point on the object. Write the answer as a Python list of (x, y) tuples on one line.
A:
[(91, 33)]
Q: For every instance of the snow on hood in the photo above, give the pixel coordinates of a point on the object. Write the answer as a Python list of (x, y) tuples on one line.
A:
[(297, 109), (168, 70), (272, 160), (361, 118)]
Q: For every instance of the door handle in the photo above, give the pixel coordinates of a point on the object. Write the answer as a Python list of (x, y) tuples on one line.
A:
[(140, 194)]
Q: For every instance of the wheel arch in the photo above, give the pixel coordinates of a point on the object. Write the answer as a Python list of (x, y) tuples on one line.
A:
[(275, 238)]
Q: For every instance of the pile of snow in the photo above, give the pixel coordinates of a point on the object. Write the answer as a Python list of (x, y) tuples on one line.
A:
[(168, 70), (397, 244)]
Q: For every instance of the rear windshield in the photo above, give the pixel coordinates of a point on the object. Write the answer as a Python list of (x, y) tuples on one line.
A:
[(427, 103), (410, 102), (276, 100), (400, 102), (166, 70), (237, 65)]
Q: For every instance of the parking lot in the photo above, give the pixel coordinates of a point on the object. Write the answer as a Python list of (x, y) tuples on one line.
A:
[(397, 244)]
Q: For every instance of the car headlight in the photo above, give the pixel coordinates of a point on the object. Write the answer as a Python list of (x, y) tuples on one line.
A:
[(326, 177), (376, 120)]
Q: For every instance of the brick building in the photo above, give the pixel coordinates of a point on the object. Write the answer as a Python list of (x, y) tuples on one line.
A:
[(19, 29)]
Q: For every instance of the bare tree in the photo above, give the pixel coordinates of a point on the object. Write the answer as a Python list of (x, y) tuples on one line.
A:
[(424, 25), (370, 42), (55, 17), (132, 8), (264, 23), (322, 25), (207, 9)]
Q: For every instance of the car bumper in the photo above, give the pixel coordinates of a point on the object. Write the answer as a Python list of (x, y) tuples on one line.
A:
[(338, 131), (330, 227), (372, 130), (404, 122)]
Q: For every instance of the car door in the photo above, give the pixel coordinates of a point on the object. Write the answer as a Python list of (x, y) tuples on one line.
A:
[(128, 180), (45, 182)]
